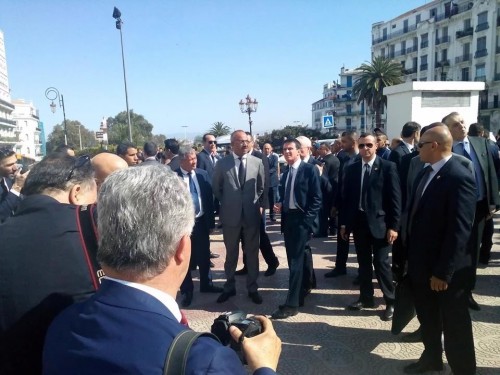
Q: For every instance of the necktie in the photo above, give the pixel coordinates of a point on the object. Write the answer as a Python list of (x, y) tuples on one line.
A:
[(465, 153), (418, 193), (288, 191), (364, 188), (184, 320), (194, 194), (241, 172), (213, 159)]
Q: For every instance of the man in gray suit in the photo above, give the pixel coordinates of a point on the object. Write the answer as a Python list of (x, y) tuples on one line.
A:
[(238, 183)]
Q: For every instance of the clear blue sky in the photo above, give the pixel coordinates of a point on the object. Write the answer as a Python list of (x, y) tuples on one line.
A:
[(188, 62)]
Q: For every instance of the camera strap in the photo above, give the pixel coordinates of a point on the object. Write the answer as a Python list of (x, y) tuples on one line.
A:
[(175, 363)]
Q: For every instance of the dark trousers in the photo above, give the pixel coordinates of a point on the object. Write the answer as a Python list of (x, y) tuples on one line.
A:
[(372, 250), (296, 235), (200, 253), (446, 312), (266, 248), (487, 241), (272, 200), (482, 211), (342, 253)]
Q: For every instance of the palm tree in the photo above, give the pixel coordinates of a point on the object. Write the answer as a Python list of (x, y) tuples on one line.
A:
[(380, 73), (218, 128)]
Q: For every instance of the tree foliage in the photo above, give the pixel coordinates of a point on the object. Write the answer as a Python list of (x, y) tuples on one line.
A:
[(380, 73), (118, 130), (278, 136), (56, 137), (218, 129)]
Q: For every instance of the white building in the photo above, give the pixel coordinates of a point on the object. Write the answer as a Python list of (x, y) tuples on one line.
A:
[(28, 130), (8, 137), (448, 41)]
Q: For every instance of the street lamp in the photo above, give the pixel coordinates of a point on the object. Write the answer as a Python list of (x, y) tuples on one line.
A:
[(53, 94), (116, 15), (248, 105)]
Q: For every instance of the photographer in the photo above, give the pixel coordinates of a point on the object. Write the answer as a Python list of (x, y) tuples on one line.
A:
[(128, 326)]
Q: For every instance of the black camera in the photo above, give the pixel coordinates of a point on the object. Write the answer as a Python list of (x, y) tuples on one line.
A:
[(249, 326)]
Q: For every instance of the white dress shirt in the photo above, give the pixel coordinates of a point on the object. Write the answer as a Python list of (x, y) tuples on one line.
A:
[(185, 177)]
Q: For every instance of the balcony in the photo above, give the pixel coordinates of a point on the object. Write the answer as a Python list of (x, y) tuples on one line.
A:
[(394, 34), (480, 78), (482, 26), (379, 40), (463, 58), (442, 63), (410, 71), (489, 105), (424, 44), (412, 49), (481, 53), (400, 53), (465, 32), (6, 121), (443, 39), (423, 67)]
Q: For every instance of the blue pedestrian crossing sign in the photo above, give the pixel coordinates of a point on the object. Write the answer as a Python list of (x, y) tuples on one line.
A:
[(328, 121)]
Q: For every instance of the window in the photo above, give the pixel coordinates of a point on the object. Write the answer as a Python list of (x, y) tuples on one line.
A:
[(382, 52), (467, 23), (465, 74), (481, 43), (445, 31), (391, 51), (348, 122), (403, 47), (444, 55), (424, 41), (384, 33), (480, 71), (423, 62), (432, 13), (403, 65), (418, 18), (482, 21), (348, 109), (466, 49), (405, 26), (349, 81)]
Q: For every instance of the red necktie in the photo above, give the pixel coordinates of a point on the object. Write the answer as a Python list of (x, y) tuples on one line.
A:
[(184, 320)]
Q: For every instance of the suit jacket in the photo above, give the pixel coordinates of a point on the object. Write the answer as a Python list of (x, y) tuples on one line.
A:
[(8, 201), (396, 154), (204, 161), (345, 160), (306, 192), (331, 166), (384, 153), (123, 330), (175, 163), (403, 170), (206, 196), (149, 162), (239, 205), (273, 170), (441, 225), (383, 208), (265, 163), (481, 147)]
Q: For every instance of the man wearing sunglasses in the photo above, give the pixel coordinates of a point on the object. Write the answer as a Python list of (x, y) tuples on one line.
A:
[(12, 182), (371, 211)]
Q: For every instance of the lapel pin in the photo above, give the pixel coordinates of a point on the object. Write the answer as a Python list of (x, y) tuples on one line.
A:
[(438, 177)]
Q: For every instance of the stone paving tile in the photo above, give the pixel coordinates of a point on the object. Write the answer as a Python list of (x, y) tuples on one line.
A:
[(324, 338)]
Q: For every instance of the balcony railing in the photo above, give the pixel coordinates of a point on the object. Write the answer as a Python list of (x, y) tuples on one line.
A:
[(7, 104), (395, 34), (423, 67), (481, 53), (401, 52), (489, 105), (410, 71), (482, 26), (411, 49), (442, 63), (465, 32), (480, 78), (443, 39), (424, 44), (463, 58), (7, 121)]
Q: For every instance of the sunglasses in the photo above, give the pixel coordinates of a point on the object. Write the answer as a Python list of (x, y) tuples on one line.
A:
[(421, 144), (367, 145), (79, 162), (212, 142)]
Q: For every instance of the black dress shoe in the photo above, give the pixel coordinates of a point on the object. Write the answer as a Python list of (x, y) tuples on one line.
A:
[(284, 312), (335, 272), (473, 305), (211, 289), (388, 313), (271, 270), (360, 305), (214, 256), (241, 272), (212, 265), (413, 336), (188, 298), (225, 296), (422, 366), (255, 297)]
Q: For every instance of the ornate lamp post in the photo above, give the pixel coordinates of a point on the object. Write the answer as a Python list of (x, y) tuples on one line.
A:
[(116, 15), (53, 94), (249, 105)]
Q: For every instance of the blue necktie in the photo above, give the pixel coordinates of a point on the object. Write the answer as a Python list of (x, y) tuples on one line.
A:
[(194, 195), (288, 191), (364, 187)]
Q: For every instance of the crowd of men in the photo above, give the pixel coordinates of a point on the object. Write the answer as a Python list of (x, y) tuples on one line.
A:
[(115, 269)]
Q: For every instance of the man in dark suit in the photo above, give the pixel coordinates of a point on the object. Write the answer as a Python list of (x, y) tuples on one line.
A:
[(149, 152), (382, 149), (273, 178), (238, 183), (200, 188), (371, 211), (300, 201), (129, 324), (11, 190), (487, 201), (331, 165), (440, 215), (171, 153), (208, 157), (410, 135)]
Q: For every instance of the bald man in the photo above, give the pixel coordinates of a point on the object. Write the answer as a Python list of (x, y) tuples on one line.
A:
[(441, 210), (106, 163)]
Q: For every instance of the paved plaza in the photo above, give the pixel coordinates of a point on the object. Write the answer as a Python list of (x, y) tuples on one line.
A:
[(325, 338)]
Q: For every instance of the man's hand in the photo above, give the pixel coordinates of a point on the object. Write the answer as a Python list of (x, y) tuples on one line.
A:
[(262, 350), (391, 236), (343, 234), (19, 180), (277, 208), (438, 285)]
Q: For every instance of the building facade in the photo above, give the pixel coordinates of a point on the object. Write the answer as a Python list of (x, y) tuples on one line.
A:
[(8, 136), (448, 41)]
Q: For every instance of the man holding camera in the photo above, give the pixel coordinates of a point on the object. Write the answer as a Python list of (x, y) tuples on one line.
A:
[(11, 189), (129, 325)]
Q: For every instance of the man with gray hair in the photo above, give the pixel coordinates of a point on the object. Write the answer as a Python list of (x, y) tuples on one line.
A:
[(130, 323)]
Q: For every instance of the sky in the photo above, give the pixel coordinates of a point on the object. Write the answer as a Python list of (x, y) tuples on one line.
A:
[(188, 62)]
